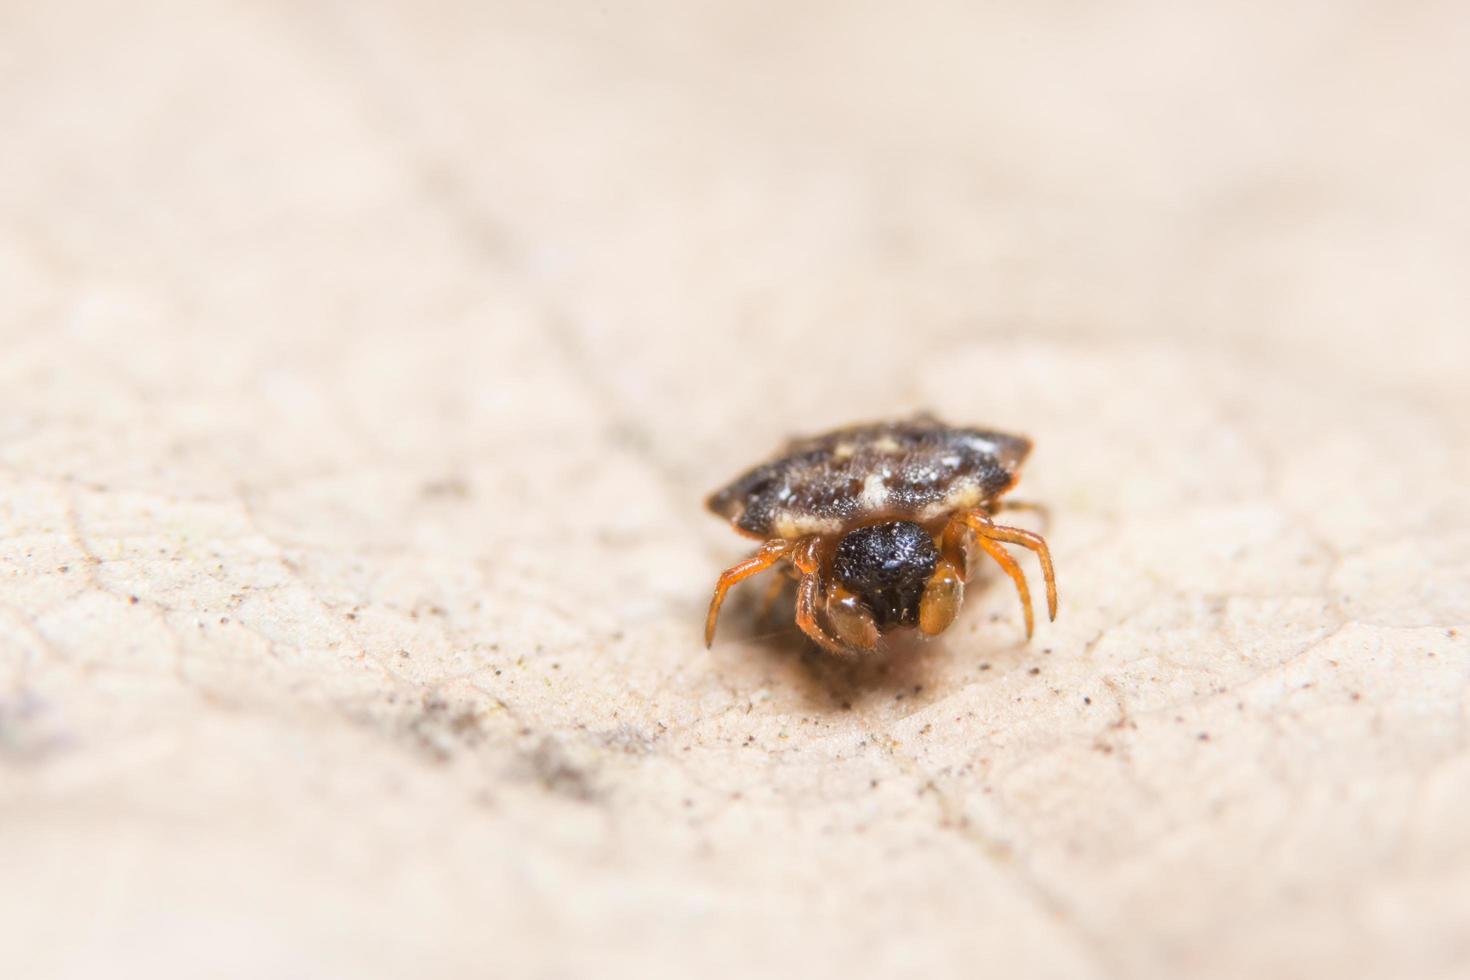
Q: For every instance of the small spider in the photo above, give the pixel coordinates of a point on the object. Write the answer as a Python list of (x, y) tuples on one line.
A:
[(878, 523)]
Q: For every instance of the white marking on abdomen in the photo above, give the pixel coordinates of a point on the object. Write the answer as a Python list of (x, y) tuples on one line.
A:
[(875, 492), (788, 525), (983, 445), (961, 496)]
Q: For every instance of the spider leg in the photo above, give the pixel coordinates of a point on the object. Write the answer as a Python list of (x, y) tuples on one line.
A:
[(1042, 510), (766, 556), (809, 596), (1008, 565), (953, 546), (979, 523)]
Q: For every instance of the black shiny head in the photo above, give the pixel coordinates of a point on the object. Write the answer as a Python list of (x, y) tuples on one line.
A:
[(887, 566)]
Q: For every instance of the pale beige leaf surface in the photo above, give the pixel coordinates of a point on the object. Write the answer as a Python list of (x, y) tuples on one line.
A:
[(365, 366)]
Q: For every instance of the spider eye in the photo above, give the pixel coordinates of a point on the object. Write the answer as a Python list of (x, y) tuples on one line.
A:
[(887, 566)]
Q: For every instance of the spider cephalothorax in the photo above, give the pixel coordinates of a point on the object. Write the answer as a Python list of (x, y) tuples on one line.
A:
[(887, 566), (878, 522)]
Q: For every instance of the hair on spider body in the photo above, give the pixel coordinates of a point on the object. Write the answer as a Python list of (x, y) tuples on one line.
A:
[(879, 522)]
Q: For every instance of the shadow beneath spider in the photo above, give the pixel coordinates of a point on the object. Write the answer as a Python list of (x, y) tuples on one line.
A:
[(906, 665)]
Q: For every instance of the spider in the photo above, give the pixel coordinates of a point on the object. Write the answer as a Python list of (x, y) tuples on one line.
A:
[(878, 523)]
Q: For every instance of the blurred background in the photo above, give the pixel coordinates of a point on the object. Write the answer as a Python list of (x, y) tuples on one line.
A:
[(364, 367)]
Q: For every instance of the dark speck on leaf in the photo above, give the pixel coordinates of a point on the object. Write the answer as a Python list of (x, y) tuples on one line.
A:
[(556, 772), (453, 486)]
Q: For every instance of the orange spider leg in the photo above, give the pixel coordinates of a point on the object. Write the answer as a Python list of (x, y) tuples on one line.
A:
[(1042, 510), (766, 556), (952, 546), (1008, 565), (809, 594), (979, 523)]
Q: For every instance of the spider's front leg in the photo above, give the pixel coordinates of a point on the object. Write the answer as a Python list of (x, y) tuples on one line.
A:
[(766, 556), (976, 526), (983, 528)]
